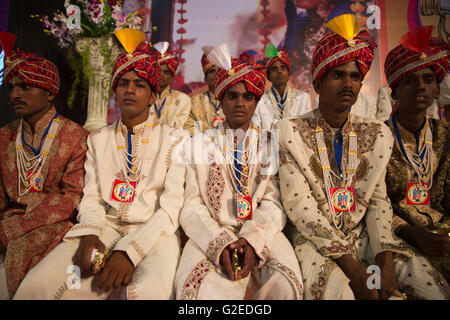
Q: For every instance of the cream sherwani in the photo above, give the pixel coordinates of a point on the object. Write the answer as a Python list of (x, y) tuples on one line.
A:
[(176, 106), (367, 231), (146, 229), (267, 112), (209, 220), (203, 111)]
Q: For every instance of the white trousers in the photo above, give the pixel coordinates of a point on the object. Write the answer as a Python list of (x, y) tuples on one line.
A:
[(54, 278)]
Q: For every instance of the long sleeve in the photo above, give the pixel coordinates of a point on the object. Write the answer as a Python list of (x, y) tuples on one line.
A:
[(189, 124), (379, 218), (183, 110), (163, 222), (92, 208), (54, 205), (302, 210), (199, 225), (268, 219)]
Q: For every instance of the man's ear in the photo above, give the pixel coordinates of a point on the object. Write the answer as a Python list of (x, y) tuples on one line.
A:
[(51, 96), (152, 99), (394, 93), (317, 86), (438, 92)]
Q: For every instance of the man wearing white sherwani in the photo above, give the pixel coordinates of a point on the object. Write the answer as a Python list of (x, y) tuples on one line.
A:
[(126, 242), (232, 212), (281, 101)]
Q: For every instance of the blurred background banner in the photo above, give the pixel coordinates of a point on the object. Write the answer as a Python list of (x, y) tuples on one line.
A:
[(188, 25)]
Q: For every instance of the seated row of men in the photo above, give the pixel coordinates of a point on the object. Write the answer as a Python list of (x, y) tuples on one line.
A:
[(347, 193)]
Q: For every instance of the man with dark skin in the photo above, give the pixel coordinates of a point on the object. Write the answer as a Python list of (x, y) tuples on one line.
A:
[(171, 107), (206, 109), (281, 101), (422, 222), (332, 181), (338, 91), (234, 230), (41, 169), (128, 216)]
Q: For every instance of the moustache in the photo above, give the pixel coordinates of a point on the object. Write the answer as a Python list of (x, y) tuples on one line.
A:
[(18, 101), (346, 92)]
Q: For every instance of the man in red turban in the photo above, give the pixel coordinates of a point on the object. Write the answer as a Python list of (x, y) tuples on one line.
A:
[(232, 212), (172, 107), (41, 169), (281, 100), (125, 243), (418, 172), (332, 180), (206, 111)]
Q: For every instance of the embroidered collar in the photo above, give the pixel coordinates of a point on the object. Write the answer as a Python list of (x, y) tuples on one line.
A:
[(41, 124)]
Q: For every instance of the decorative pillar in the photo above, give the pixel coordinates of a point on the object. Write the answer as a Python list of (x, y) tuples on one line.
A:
[(99, 80)]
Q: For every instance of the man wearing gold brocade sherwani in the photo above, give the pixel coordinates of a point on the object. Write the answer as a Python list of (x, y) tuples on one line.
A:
[(41, 169), (332, 181), (125, 243), (232, 213), (205, 109), (418, 174)]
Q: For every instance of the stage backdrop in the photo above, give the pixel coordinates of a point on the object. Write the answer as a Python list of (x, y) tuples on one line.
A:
[(188, 25)]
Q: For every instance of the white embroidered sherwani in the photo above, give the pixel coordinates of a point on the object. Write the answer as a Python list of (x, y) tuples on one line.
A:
[(202, 111), (209, 220), (267, 112), (146, 229), (367, 231), (176, 107)]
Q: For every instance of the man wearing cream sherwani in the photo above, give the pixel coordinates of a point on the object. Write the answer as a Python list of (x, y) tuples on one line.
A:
[(232, 212), (126, 242), (172, 107)]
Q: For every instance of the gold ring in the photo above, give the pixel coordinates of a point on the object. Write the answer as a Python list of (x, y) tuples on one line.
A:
[(405, 297)]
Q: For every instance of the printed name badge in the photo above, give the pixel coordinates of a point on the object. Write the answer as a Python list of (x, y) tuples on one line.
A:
[(122, 191), (417, 194), (217, 121), (343, 199), (244, 207), (36, 181)]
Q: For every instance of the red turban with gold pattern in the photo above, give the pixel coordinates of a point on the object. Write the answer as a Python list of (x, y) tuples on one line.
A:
[(171, 61), (253, 75), (206, 64), (143, 61), (407, 58), (333, 50), (282, 56), (33, 70)]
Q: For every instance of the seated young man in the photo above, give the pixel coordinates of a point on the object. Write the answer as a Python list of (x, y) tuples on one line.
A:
[(129, 211), (281, 101), (232, 212), (418, 173), (171, 106), (41, 169), (206, 108), (332, 181)]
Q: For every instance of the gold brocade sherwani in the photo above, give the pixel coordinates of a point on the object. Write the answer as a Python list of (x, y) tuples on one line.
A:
[(367, 231), (202, 111), (176, 107), (400, 173), (33, 224)]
